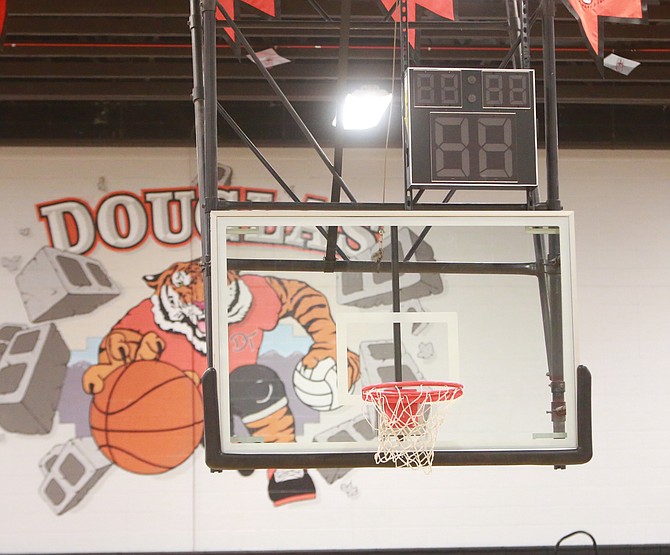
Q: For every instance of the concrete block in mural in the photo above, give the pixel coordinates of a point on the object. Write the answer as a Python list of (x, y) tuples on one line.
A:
[(70, 471), (373, 289), (357, 429), (377, 363), (32, 371), (414, 306), (332, 475), (7, 331), (56, 284)]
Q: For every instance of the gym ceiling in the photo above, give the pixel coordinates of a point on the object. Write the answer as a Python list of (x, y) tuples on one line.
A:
[(119, 72)]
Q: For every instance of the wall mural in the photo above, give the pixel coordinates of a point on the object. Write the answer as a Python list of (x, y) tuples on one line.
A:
[(133, 396)]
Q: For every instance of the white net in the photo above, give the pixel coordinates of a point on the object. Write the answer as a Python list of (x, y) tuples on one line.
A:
[(409, 416)]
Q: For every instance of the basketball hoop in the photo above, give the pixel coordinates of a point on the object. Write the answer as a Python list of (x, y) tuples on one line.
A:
[(409, 415)]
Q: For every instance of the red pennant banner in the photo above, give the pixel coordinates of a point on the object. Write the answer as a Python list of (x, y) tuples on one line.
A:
[(3, 16), (266, 6), (592, 13), (443, 8)]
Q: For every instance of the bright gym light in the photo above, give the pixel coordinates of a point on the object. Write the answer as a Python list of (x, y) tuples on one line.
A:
[(365, 107)]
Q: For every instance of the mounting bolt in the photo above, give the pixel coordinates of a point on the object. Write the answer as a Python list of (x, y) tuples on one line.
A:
[(557, 386)]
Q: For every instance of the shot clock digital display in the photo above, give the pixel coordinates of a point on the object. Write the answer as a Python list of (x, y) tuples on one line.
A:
[(471, 128)]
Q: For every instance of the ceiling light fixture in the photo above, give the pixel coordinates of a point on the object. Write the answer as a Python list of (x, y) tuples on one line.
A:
[(365, 107)]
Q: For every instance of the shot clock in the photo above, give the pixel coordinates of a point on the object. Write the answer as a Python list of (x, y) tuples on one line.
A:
[(471, 128)]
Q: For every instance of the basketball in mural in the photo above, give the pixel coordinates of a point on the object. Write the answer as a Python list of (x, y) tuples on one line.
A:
[(149, 417)]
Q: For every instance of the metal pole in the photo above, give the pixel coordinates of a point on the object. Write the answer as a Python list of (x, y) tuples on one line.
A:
[(395, 285), (525, 34), (556, 375), (550, 104), (207, 186), (404, 65), (195, 25), (514, 27), (342, 73)]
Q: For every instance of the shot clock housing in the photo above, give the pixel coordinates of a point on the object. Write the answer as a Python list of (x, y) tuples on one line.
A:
[(471, 128)]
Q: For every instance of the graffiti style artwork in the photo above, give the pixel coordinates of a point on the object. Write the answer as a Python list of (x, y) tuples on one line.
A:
[(164, 335), (133, 397)]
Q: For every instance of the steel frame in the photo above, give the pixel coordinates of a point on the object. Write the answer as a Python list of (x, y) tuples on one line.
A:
[(206, 107)]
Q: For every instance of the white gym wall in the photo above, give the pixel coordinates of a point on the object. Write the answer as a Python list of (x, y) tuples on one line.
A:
[(622, 205)]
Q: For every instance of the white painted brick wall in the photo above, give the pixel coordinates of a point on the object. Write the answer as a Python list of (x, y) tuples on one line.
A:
[(622, 205)]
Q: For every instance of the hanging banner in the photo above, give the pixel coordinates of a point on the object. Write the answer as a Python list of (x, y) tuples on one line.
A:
[(592, 14), (231, 7), (443, 8), (3, 17)]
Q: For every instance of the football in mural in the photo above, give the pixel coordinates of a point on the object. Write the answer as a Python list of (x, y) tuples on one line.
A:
[(149, 418)]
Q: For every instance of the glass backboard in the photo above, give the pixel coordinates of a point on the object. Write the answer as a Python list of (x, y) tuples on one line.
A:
[(484, 299)]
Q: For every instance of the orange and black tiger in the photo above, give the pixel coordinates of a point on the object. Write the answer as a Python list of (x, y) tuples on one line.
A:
[(170, 326)]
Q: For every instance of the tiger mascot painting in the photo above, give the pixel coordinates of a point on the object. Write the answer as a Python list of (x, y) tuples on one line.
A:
[(169, 326)]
